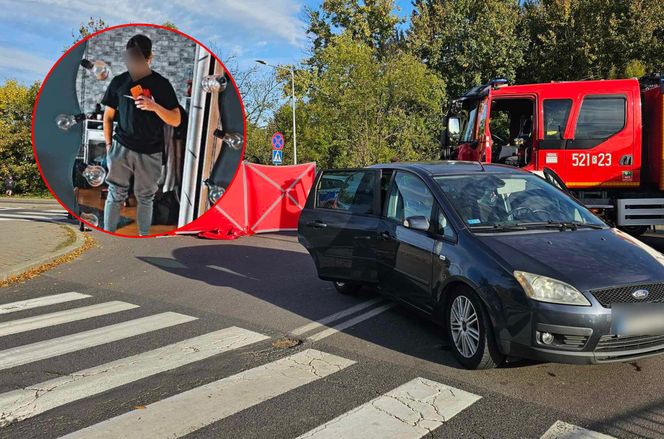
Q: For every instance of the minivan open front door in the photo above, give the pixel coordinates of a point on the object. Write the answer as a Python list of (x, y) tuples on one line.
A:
[(339, 223)]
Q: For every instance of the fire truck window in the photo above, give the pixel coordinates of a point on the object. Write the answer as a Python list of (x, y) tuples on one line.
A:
[(556, 114), (469, 125), (600, 118)]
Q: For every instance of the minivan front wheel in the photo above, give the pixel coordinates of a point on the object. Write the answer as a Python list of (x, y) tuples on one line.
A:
[(469, 332), (345, 287)]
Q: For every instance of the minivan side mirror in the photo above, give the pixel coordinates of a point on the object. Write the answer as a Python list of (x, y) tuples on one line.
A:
[(453, 130), (417, 223)]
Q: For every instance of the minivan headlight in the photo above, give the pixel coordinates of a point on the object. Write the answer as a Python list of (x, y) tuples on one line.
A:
[(545, 289)]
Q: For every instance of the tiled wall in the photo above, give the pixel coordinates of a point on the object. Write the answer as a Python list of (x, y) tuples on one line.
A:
[(173, 58)]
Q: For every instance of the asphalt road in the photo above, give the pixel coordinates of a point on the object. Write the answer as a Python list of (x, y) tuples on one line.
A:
[(371, 366)]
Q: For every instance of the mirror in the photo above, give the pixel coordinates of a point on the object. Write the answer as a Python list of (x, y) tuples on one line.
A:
[(453, 129), (417, 223)]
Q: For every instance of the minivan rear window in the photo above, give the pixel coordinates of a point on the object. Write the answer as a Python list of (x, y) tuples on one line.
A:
[(351, 191)]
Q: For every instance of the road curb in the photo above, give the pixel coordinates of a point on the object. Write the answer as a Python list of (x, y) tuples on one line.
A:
[(51, 260)]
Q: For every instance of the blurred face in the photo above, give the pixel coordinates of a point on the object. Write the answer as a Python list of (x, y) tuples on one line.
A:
[(135, 61)]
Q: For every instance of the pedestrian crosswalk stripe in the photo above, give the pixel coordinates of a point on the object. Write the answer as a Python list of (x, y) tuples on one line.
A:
[(410, 411), (81, 340), (21, 404), (563, 430), (351, 322), (334, 317), (194, 409), (60, 317), (41, 301)]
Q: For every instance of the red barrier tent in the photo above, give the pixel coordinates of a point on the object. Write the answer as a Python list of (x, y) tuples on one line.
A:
[(261, 199)]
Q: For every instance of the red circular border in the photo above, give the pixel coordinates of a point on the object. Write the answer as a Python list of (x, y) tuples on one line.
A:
[(34, 109), (282, 141)]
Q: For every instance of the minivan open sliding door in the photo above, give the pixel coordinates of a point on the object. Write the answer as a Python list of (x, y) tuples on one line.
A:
[(339, 223)]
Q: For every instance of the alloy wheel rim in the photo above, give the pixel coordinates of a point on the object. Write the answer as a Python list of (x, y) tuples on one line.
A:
[(465, 326)]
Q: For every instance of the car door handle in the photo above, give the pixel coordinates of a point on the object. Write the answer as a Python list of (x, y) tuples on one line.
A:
[(385, 235), (317, 224)]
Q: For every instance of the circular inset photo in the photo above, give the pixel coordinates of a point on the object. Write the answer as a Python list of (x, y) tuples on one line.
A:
[(138, 130)]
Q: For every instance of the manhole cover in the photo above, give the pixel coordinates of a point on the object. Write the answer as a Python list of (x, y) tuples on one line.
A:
[(286, 343)]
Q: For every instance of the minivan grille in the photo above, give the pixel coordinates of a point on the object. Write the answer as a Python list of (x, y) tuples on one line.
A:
[(609, 296), (612, 343)]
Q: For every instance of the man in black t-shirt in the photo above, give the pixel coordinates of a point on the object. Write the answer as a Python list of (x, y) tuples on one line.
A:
[(142, 101)]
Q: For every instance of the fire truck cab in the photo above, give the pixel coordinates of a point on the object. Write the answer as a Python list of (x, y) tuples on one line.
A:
[(601, 140)]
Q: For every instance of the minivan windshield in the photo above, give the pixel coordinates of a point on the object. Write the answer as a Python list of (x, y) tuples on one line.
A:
[(510, 202)]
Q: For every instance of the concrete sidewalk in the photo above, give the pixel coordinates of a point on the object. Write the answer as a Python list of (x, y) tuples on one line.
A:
[(28, 245)]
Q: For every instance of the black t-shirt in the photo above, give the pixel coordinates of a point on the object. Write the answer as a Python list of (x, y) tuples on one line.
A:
[(140, 130)]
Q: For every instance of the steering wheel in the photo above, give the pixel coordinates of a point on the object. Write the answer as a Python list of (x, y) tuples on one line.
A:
[(510, 214)]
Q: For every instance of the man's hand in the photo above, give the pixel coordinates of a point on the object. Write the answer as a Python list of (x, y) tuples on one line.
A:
[(145, 103), (171, 117)]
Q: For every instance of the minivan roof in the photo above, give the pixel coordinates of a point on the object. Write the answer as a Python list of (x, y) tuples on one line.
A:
[(444, 167)]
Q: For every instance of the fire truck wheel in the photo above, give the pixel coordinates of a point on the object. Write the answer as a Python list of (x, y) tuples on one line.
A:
[(634, 230)]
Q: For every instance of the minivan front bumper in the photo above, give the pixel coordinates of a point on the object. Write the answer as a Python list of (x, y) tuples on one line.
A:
[(581, 335)]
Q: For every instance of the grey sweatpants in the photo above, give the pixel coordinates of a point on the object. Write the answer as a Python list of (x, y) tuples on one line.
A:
[(123, 163)]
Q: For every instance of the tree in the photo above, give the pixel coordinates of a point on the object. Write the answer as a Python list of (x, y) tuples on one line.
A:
[(371, 22), (85, 29), (361, 110), (578, 39), (467, 42), (16, 156)]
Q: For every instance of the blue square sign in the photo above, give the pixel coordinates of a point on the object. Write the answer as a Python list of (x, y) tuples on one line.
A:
[(277, 156)]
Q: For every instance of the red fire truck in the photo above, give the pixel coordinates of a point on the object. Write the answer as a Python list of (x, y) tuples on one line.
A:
[(601, 140)]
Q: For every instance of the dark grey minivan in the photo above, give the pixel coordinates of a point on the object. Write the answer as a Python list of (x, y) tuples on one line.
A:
[(511, 266)]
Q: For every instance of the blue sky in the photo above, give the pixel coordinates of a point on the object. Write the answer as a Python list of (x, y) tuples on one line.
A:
[(34, 34)]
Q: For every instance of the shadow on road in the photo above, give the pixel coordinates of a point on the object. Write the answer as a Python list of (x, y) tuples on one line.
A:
[(287, 279), (646, 421)]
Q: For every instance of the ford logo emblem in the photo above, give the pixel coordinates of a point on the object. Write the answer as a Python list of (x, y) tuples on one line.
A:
[(640, 294)]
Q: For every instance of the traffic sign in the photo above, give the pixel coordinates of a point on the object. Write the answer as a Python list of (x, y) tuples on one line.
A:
[(278, 141), (277, 156)]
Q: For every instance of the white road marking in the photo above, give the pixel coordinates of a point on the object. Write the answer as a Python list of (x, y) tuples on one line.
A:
[(194, 409), (6, 308), (35, 213), (229, 271), (410, 411), (32, 216), (60, 317), (350, 322), (334, 317), (563, 430), (81, 340), (59, 211), (28, 402)]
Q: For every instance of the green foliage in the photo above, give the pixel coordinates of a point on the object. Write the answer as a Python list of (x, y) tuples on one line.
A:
[(467, 42), (361, 109), (634, 69), (579, 39), (371, 22), (16, 156)]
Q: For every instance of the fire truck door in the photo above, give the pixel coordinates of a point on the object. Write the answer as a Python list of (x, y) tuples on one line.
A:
[(602, 151)]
